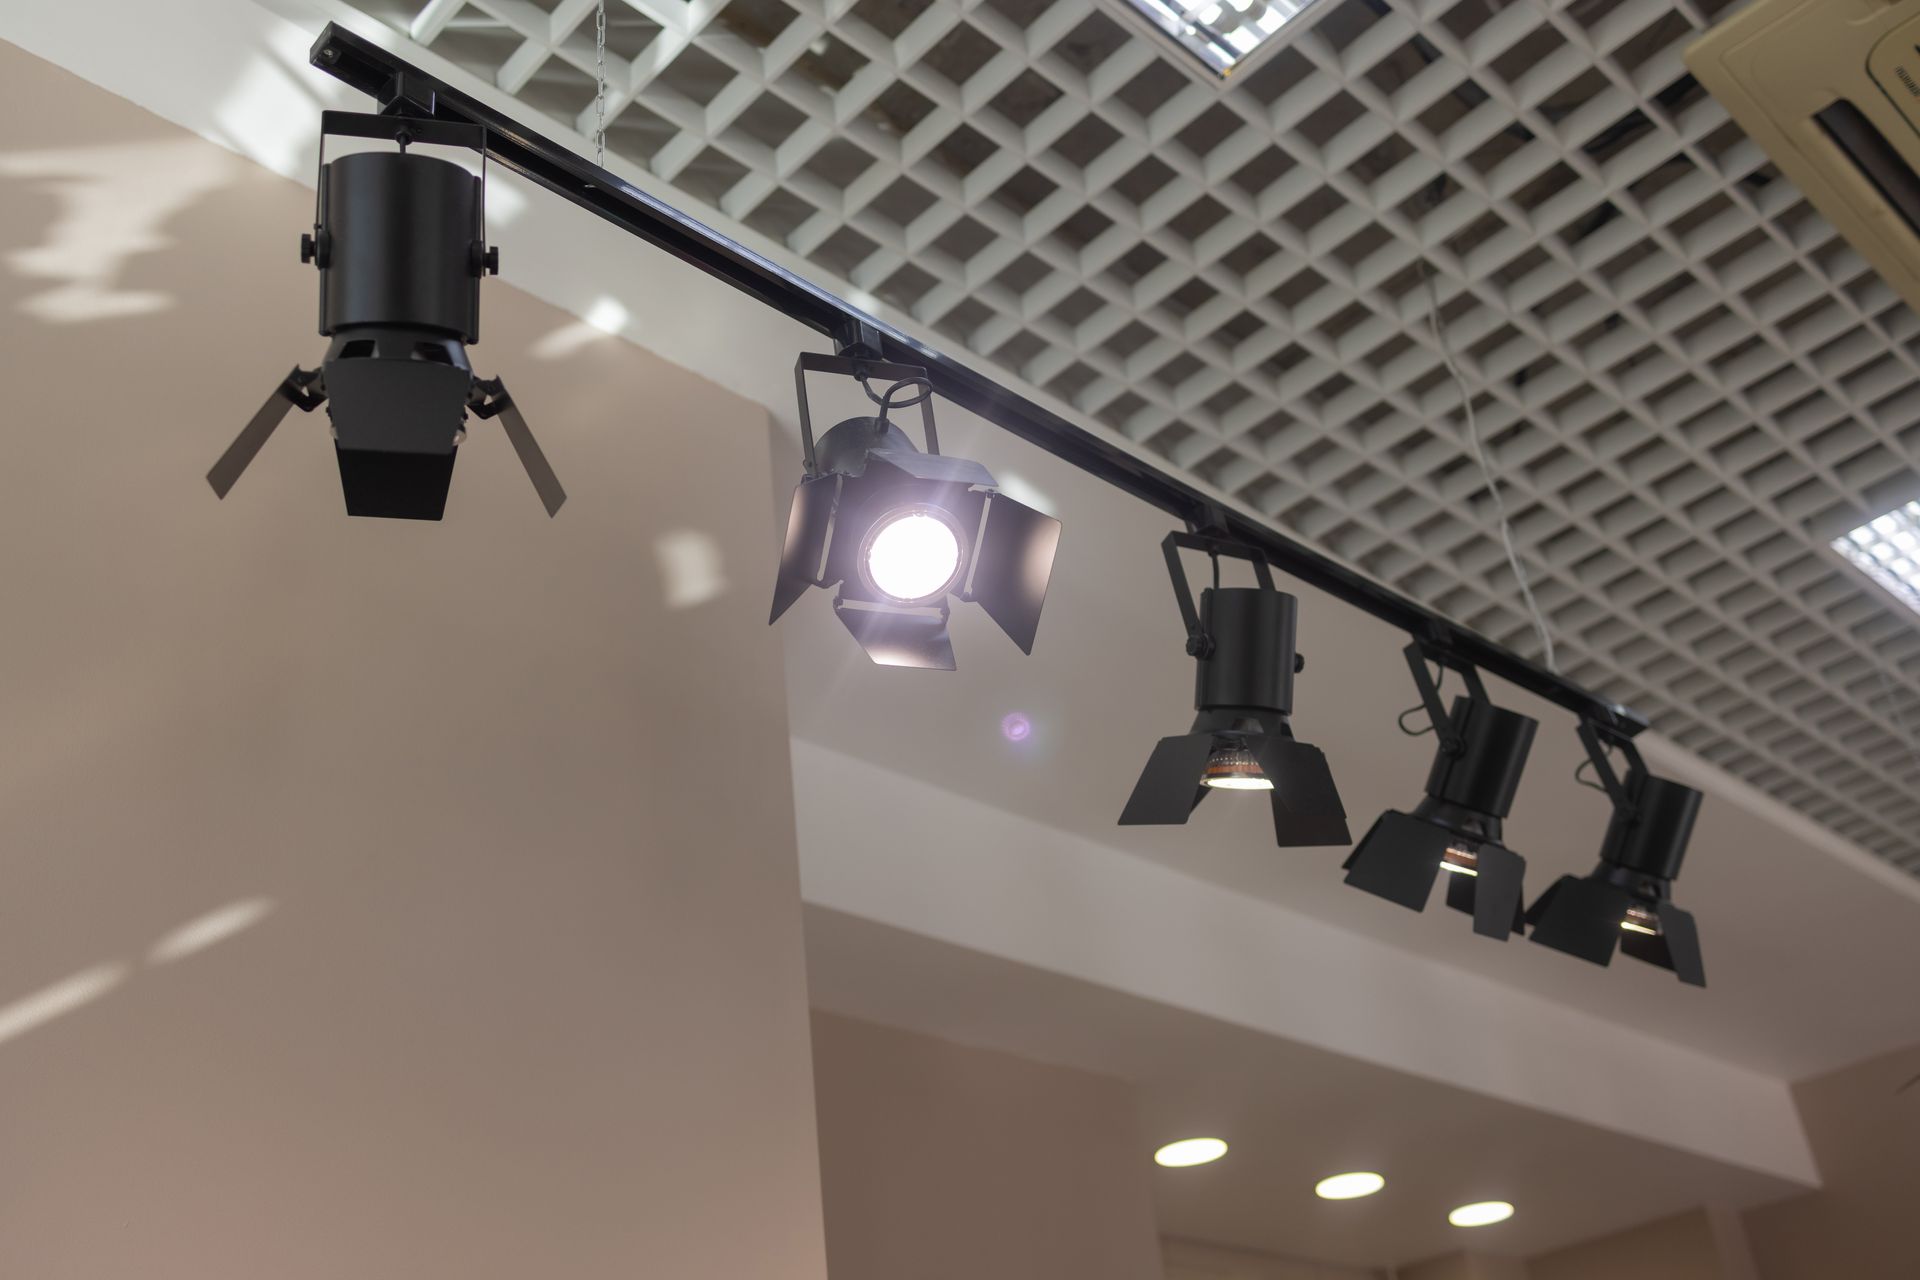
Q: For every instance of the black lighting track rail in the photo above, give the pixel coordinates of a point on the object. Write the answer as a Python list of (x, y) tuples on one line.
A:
[(403, 89)]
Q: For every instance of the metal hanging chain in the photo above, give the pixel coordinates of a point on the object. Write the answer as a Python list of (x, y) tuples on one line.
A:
[(600, 78)]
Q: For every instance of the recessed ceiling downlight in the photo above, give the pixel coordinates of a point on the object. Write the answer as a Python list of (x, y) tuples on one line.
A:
[(1483, 1214), (1348, 1186), (1189, 1152)]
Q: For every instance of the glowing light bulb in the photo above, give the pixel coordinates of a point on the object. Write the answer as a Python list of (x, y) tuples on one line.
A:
[(912, 556), (1348, 1186), (1640, 919), (1462, 862), (1483, 1214), (1234, 769), (1189, 1152)]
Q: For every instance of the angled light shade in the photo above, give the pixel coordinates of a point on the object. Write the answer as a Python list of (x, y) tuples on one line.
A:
[(1627, 900), (1242, 739), (900, 530), (399, 240), (1481, 753)]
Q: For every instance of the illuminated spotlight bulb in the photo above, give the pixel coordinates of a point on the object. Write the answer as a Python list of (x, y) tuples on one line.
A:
[(903, 531), (1189, 1152), (1348, 1186), (911, 555), (1641, 919), (1483, 1214), (1242, 640), (1457, 827), (1231, 768)]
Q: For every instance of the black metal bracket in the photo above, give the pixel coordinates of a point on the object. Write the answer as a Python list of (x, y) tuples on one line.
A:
[(398, 125), (1418, 654), (1597, 739), (863, 371), (391, 80), (1199, 643)]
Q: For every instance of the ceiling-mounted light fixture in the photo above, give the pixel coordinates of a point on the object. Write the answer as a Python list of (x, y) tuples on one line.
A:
[(400, 243), (1456, 828), (1243, 641), (900, 530), (1626, 901)]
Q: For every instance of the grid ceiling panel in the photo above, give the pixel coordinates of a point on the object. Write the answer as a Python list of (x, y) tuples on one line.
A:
[(1682, 372)]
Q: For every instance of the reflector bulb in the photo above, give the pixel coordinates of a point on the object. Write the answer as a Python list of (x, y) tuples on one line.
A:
[(1462, 862), (913, 557), (1234, 769), (1641, 920)]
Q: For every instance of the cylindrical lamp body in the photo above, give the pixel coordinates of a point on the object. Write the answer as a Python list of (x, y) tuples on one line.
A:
[(399, 242), (1485, 775), (1650, 835), (1252, 661)]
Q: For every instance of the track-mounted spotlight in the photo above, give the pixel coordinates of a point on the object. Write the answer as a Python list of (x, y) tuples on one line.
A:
[(1470, 789), (1243, 639), (400, 243), (1626, 900), (900, 530)]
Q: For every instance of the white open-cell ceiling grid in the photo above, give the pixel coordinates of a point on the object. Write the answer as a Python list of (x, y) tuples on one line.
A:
[(1687, 380)]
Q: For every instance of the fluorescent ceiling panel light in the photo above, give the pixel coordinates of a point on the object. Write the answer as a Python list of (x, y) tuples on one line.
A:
[(1223, 34), (1888, 551)]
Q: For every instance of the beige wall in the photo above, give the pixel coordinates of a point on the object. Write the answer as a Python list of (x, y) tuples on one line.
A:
[(497, 810), (1683, 1247), (1864, 1223), (1193, 1260), (942, 1162), (1465, 1266)]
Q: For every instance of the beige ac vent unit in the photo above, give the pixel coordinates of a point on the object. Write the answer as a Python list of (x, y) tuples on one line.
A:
[(1831, 90)]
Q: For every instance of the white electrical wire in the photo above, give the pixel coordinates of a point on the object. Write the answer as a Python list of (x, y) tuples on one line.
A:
[(600, 80), (1486, 469)]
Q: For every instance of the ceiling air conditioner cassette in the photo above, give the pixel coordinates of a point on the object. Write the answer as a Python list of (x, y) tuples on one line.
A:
[(1831, 90)]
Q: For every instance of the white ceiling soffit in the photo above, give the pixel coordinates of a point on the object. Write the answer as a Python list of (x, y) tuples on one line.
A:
[(1688, 381)]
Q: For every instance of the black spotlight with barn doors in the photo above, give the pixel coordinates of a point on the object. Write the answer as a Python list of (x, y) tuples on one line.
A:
[(1480, 751), (900, 528), (1242, 642), (400, 241), (1628, 899)]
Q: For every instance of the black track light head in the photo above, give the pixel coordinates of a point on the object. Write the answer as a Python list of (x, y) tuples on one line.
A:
[(1242, 738), (1477, 764), (1627, 900), (399, 240), (899, 530)]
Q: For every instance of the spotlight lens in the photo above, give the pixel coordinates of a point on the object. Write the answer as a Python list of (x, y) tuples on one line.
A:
[(1349, 1186), (1462, 862), (1189, 1152), (1640, 919), (912, 556), (1234, 769), (1484, 1214)]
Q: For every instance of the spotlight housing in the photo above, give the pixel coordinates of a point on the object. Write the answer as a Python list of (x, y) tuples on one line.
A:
[(1243, 641), (400, 244), (899, 530), (1627, 900), (1456, 828)]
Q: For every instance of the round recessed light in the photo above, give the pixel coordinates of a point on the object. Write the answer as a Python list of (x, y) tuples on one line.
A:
[(1190, 1151), (1348, 1186), (1484, 1214)]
